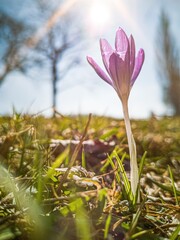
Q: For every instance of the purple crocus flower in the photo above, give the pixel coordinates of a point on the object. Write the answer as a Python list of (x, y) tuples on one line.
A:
[(121, 64), (123, 67)]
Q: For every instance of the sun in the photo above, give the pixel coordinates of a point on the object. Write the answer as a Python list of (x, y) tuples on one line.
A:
[(99, 16)]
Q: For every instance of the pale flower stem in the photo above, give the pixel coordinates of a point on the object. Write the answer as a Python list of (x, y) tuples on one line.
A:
[(134, 176)]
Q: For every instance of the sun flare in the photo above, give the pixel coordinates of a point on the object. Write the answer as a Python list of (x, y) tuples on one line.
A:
[(99, 16)]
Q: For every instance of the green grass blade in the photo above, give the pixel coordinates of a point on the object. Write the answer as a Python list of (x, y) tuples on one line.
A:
[(175, 233), (135, 219), (83, 230), (8, 182), (124, 176), (59, 160), (109, 133), (142, 162), (107, 163), (114, 168), (7, 234), (83, 158), (140, 234), (24, 202), (107, 226), (173, 185), (164, 187)]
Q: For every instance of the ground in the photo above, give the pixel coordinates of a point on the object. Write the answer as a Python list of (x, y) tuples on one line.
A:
[(68, 178)]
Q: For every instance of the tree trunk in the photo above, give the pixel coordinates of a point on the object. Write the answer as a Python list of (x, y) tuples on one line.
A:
[(54, 86)]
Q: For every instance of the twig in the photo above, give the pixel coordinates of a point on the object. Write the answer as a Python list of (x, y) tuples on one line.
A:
[(75, 153), (79, 194)]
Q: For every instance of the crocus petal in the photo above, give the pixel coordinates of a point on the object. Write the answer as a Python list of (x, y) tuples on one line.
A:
[(98, 70), (113, 70), (121, 42), (120, 79), (138, 65), (106, 52), (132, 53), (123, 76)]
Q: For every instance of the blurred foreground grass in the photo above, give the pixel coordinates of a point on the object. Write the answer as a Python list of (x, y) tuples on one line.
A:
[(56, 184)]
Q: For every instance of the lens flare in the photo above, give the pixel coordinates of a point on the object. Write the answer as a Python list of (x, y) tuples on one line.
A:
[(99, 16)]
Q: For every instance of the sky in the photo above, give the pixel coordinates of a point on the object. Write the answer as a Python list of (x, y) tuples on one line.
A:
[(82, 91)]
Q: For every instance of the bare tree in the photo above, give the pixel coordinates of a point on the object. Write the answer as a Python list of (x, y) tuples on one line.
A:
[(58, 47), (12, 34), (52, 45), (168, 62)]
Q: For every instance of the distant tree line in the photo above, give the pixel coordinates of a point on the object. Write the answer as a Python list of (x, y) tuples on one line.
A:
[(168, 63)]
